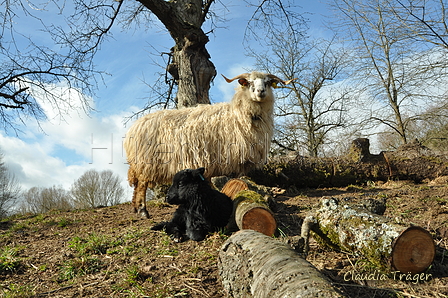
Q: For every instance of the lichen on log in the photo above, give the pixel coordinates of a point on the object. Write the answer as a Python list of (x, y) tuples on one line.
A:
[(353, 228), (254, 265)]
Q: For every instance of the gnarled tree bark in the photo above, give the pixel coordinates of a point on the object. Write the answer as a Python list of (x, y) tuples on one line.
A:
[(191, 66)]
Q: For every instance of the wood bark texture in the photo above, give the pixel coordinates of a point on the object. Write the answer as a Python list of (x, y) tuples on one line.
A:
[(191, 66), (254, 265), (353, 228), (233, 186), (409, 162)]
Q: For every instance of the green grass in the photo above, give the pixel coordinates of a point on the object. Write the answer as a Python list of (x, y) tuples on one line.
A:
[(10, 261), (93, 244), (16, 291), (86, 260), (80, 266)]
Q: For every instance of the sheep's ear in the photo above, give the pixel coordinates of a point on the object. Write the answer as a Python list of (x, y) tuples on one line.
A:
[(200, 173), (243, 82), (273, 83)]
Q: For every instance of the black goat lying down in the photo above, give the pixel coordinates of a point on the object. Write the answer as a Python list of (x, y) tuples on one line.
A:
[(201, 209)]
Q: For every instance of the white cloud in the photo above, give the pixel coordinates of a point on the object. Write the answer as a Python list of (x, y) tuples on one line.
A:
[(68, 147)]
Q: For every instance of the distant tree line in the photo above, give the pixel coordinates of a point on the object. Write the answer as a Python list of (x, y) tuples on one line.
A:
[(92, 189)]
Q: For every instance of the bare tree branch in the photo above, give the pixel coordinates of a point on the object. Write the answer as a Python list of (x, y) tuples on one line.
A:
[(436, 35)]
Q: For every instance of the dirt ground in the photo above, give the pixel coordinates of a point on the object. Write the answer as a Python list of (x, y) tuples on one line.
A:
[(108, 252)]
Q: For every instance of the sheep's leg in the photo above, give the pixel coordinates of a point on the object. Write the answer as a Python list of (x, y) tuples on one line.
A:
[(139, 199), (134, 198)]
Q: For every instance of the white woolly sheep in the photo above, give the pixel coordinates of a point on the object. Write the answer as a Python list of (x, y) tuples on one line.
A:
[(225, 138)]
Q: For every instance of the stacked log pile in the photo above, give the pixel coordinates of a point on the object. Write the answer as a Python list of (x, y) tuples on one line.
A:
[(409, 162)]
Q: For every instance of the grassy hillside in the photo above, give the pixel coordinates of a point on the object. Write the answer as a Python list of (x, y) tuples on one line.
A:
[(108, 252)]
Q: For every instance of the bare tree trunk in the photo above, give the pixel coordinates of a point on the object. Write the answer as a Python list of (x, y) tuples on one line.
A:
[(254, 265), (348, 227), (191, 66)]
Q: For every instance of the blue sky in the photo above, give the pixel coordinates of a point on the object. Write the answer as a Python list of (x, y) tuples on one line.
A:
[(69, 147)]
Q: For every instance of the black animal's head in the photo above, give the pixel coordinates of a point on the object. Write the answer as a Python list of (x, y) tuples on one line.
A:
[(183, 182)]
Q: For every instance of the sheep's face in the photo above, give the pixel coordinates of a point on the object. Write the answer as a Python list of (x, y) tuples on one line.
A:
[(260, 88), (183, 183)]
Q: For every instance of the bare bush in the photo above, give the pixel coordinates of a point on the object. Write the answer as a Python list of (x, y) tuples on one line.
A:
[(94, 189), (9, 190), (41, 199)]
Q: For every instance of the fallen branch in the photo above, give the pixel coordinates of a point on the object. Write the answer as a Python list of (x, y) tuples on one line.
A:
[(409, 162)]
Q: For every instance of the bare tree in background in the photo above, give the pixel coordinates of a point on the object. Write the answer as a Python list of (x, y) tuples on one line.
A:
[(39, 200), (27, 67), (306, 115), (426, 20), (316, 105), (9, 190), (94, 189), (396, 72)]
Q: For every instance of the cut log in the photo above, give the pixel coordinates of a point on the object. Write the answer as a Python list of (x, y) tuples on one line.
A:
[(233, 186), (353, 228), (251, 211), (254, 265), (413, 251)]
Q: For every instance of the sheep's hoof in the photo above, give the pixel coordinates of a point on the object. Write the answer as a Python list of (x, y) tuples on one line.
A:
[(177, 238), (143, 213)]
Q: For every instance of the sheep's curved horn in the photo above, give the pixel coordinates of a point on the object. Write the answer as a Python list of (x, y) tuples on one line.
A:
[(279, 80), (241, 76)]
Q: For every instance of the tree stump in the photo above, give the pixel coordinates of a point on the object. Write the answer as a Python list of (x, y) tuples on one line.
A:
[(359, 150), (353, 228), (254, 265)]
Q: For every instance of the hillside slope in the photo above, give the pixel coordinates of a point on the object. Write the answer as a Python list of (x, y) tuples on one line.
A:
[(108, 252)]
